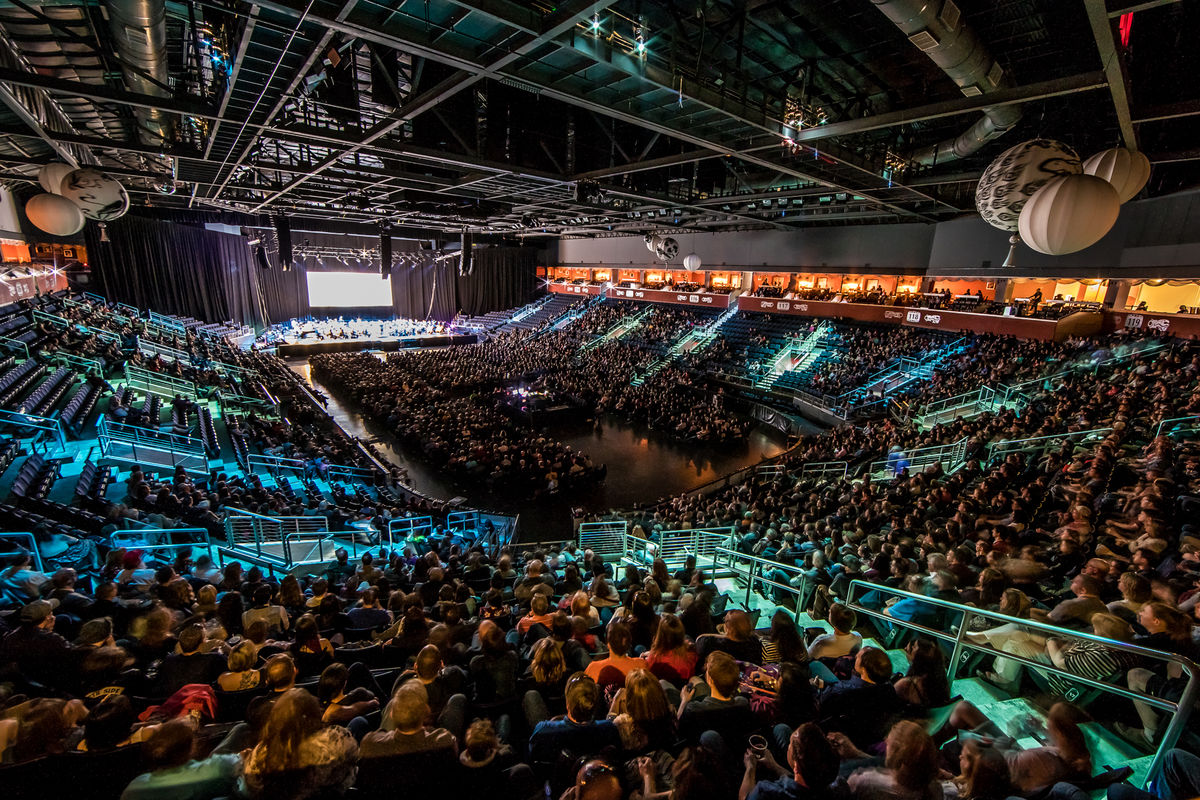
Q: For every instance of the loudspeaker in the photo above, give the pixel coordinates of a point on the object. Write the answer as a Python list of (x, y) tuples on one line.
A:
[(260, 255), (465, 266), (283, 234), (385, 252)]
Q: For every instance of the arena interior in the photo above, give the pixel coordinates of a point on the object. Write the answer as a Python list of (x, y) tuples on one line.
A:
[(688, 399)]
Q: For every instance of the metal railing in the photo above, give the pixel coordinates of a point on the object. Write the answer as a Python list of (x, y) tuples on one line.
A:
[(51, 427), (605, 538), (950, 456), (85, 365), (157, 383), (406, 528), (168, 322), (147, 537), (754, 570), (130, 311), (101, 334), (674, 547), (15, 345), (1178, 710), (824, 469), (317, 554), (1040, 445), (53, 319), (151, 448), (1190, 425), (32, 549), (163, 351)]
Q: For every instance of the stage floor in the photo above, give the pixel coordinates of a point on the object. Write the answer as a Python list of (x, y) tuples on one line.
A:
[(307, 347)]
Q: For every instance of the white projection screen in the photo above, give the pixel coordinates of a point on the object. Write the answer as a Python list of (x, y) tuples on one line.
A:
[(348, 290)]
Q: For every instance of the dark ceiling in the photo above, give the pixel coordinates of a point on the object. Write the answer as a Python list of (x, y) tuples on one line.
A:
[(534, 119)]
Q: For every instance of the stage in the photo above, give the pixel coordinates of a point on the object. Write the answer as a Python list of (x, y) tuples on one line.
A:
[(305, 337), (308, 347)]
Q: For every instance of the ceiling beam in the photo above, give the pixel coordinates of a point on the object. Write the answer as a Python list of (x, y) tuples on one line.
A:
[(94, 91), (1187, 108), (1114, 67), (36, 126), (1117, 9), (1041, 90), (557, 22), (238, 59), (374, 34)]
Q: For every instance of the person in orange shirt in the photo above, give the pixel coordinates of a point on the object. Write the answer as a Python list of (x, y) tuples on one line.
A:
[(539, 612), (619, 642)]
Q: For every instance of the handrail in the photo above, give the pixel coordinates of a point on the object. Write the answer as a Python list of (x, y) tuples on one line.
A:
[(1158, 431), (923, 457), (757, 563), (119, 431), (157, 379), (50, 425), (321, 537), (1039, 444), (16, 344), (33, 546), (823, 468), (265, 560), (155, 349), (1180, 709), (86, 364)]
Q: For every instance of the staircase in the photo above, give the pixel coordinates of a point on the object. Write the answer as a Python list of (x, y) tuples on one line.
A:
[(574, 312), (795, 355), (623, 327), (902, 372), (693, 341)]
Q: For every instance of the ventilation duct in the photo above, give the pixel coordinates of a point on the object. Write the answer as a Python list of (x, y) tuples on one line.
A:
[(139, 28), (936, 28)]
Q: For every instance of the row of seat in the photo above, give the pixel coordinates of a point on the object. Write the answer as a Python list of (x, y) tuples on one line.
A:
[(93, 481), (14, 382), (45, 397), (35, 477), (208, 431), (73, 517), (75, 414)]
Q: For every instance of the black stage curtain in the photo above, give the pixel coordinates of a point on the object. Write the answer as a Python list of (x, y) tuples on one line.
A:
[(187, 270), (502, 277), (427, 291)]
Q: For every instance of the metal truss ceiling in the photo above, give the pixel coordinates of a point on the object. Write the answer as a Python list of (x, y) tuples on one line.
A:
[(488, 114)]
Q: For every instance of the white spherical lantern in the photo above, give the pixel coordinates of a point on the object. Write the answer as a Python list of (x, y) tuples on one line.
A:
[(1127, 170), (51, 176), (1010, 180), (55, 214), (1068, 214), (98, 196), (653, 241), (691, 262)]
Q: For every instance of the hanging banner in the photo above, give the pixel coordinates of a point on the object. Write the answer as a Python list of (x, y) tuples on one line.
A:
[(13, 289)]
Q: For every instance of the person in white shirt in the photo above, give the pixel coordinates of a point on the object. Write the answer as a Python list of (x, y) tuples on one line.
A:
[(843, 641)]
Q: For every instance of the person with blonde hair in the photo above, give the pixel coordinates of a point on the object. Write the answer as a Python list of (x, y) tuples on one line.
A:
[(242, 674), (581, 606)]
